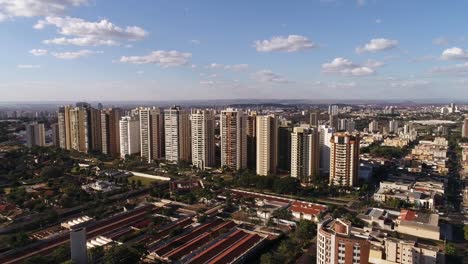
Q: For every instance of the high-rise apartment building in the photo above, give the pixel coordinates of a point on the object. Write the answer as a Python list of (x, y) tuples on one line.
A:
[(55, 134), (393, 126), (252, 140), (64, 127), (203, 141), (333, 110), (339, 243), (95, 130), (284, 147), (110, 131), (465, 128), (267, 145), (334, 121), (151, 133), (313, 121), (344, 159), (233, 139), (347, 125), (35, 135), (129, 136), (177, 135), (325, 135), (373, 126), (305, 154), (79, 129)]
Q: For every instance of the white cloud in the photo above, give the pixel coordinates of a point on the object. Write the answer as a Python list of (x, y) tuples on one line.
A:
[(233, 67), (82, 41), (140, 72), (457, 69), (267, 76), (378, 21), (373, 63), (38, 52), (455, 53), (207, 82), (379, 44), (347, 67), (27, 66), (409, 83), (195, 41), (441, 41), (291, 43), (85, 33), (160, 57), (33, 8), (341, 84), (361, 2), (70, 55)]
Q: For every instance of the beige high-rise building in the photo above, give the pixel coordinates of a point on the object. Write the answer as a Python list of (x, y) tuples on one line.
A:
[(267, 144), (94, 126), (151, 133), (252, 140), (110, 131), (203, 144), (35, 135), (55, 135), (344, 159), (177, 135), (129, 136), (314, 117), (233, 139), (64, 127), (465, 128), (79, 136), (305, 154)]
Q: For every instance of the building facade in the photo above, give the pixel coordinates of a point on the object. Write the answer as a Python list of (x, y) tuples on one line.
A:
[(177, 135), (129, 136), (305, 154), (110, 131), (203, 141), (233, 139), (267, 145), (35, 135), (344, 159)]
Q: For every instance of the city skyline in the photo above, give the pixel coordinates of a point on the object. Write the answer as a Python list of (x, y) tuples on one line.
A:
[(181, 50)]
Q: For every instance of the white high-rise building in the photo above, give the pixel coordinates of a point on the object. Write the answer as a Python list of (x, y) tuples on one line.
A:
[(333, 110), (177, 135), (233, 139), (267, 144), (465, 128), (129, 136), (203, 143), (344, 159), (373, 126), (35, 135), (393, 126), (325, 135), (305, 154), (151, 133)]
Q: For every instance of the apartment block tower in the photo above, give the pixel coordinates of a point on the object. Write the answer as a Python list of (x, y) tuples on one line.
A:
[(110, 131), (35, 135), (129, 136), (151, 133), (203, 141), (344, 159), (325, 135), (305, 154), (284, 147), (252, 140), (177, 135), (233, 139), (64, 127), (465, 128), (267, 145)]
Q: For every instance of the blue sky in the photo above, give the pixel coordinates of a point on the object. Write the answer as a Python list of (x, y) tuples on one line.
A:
[(169, 49)]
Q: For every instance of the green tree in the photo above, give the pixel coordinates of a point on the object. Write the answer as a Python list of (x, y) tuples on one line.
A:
[(122, 254)]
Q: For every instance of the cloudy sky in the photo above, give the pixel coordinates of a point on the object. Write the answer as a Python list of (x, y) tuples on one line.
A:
[(210, 49)]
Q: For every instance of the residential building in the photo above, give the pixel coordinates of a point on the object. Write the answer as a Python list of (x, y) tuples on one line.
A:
[(233, 139), (314, 117), (35, 135), (284, 147), (151, 133), (267, 145), (305, 154), (344, 159), (325, 134), (339, 243), (393, 126), (64, 127), (334, 121), (203, 144), (465, 128), (252, 140), (55, 134), (333, 110), (374, 126), (129, 136), (110, 131), (418, 224), (177, 135)]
